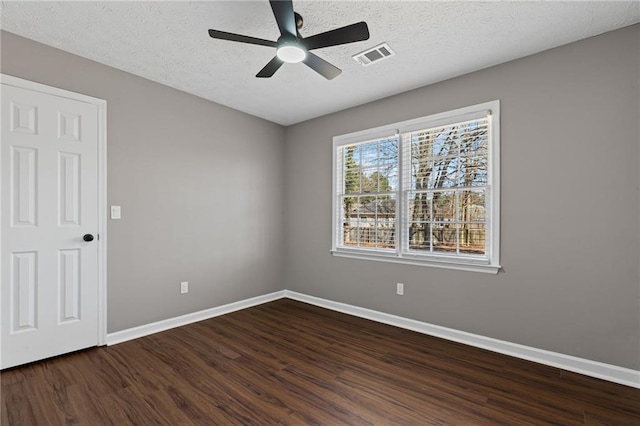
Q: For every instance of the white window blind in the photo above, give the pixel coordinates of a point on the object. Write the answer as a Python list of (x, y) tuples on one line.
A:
[(423, 191), (446, 187), (368, 194)]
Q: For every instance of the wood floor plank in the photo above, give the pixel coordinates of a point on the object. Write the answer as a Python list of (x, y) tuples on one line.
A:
[(4, 420), (87, 407), (601, 417), (291, 363), (17, 409), (532, 408)]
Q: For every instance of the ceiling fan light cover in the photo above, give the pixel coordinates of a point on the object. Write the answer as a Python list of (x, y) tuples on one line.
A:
[(291, 53)]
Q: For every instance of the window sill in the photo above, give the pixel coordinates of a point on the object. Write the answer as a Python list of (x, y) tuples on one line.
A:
[(460, 266)]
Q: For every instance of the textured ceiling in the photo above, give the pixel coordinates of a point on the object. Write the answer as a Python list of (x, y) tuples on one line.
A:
[(168, 42)]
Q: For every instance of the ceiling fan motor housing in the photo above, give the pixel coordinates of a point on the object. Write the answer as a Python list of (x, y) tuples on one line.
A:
[(299, 20)]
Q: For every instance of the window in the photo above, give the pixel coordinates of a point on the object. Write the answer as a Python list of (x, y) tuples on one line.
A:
[(424, 191)]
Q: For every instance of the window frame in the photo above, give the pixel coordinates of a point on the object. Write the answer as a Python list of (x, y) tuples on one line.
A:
[(490, 263)]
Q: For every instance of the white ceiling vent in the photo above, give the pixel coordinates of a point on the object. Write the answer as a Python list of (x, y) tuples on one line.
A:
[(374, 54)]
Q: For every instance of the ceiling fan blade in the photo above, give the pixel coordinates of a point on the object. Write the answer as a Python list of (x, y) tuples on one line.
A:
[(283, 12), (222, 35), (344, 35), (321, 66), (270, 68)]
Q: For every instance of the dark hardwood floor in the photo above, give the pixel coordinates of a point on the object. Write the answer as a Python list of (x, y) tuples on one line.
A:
[(287, 362)]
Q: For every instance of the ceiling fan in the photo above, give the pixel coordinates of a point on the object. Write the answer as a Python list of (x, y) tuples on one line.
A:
[(291, 47)]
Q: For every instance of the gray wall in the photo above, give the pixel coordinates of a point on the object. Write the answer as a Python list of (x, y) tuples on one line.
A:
[(200, 185), (570, 207), (202, 189)]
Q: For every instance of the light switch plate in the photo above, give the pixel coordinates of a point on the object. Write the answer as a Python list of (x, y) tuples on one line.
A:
[(115, 212)]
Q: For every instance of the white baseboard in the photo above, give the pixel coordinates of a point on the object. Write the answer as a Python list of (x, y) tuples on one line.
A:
[(612, 373), (156, 327)]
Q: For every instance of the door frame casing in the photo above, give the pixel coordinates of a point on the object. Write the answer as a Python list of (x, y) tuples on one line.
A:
[(101, 105)]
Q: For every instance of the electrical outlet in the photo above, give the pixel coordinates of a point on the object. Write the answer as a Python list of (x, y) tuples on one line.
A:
[(400, 289), (184, 287)]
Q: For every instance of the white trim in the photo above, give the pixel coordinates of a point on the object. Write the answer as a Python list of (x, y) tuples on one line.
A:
[(10, 80), (102, 224), (334, 189), (101, 104), (600, 370), (490, 262), (456, 264), (459, 115), (612, 373), (494, 183), (156, 327)]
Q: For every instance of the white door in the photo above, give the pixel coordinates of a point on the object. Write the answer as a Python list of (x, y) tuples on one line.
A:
[(49, 168)]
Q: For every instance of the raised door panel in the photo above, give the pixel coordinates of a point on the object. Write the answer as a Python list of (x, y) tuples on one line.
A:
[(68, 189), (23, 297), (69, 285), (24, 197), (24, 118), (69, 126)]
